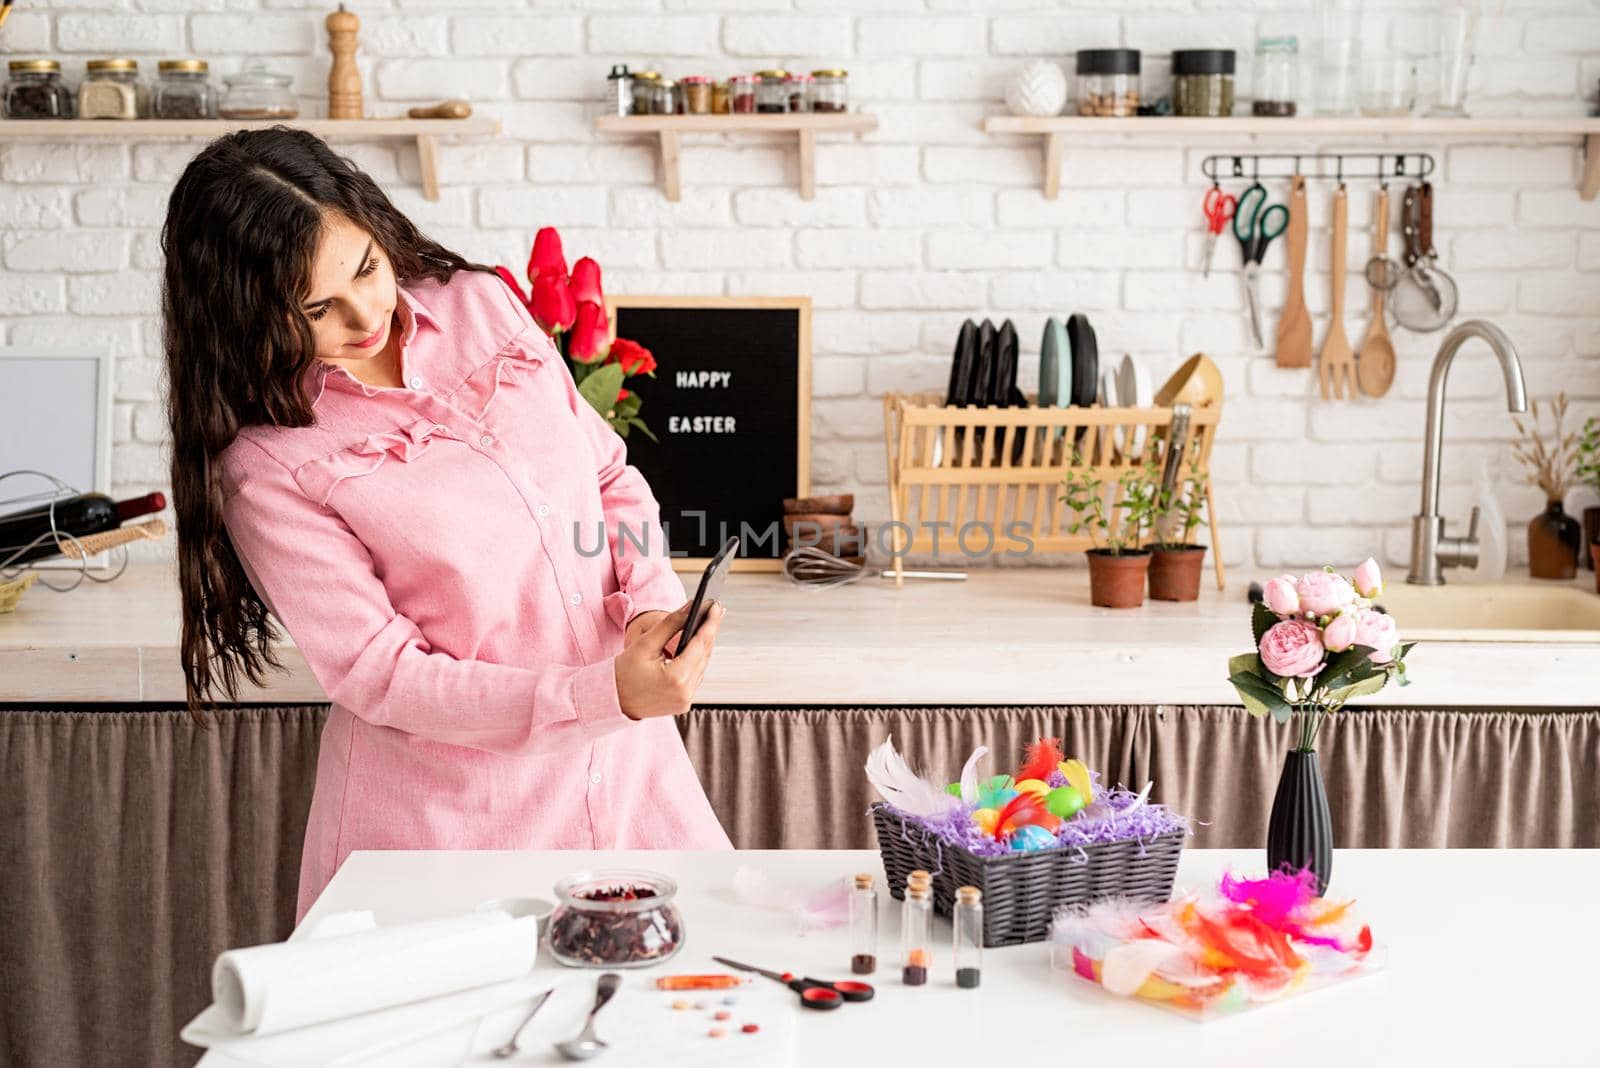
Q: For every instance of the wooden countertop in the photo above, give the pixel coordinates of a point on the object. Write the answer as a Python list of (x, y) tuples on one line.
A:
[(1005, 636)]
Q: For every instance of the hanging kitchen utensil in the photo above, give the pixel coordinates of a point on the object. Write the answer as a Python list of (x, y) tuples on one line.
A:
[(1255, 225), (1294, 325), (1375, 361), (1336, 366), (1382, 271), (1425, 298)]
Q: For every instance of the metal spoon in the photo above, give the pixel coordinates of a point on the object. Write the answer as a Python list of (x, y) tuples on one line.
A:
[(510, 1048), (586, 1045)]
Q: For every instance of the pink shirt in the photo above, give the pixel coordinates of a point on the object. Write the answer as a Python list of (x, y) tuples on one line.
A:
[(418, 544)]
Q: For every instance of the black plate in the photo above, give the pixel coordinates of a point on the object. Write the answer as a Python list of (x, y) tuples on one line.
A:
[(961, 361), (1085, 360)]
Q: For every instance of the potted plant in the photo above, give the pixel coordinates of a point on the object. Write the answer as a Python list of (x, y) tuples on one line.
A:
[(1319, 643), (1118, 562), (1554, 537), (1589, 475), (571, 309), (1175, 561)]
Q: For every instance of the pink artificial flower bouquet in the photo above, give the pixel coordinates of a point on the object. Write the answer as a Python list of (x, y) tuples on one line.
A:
[(1320, 641)]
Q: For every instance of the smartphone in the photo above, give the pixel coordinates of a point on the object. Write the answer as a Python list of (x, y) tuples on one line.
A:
[(710, 588)]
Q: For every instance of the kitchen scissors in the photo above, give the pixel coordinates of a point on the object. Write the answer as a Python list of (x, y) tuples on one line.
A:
[(1218, 207), (814, 993), (1255, 225)]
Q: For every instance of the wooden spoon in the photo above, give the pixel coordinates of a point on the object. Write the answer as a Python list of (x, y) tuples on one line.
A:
[(1337, 366), (1375, 361), (1294, 326)]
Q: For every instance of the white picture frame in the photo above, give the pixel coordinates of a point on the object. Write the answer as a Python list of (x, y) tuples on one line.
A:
[(58, 420)]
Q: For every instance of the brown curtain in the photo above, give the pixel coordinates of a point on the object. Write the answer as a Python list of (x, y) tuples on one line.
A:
[(138, 846), (1397, 778)]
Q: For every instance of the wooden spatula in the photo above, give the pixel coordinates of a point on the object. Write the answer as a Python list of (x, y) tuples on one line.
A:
[(1336, 368), (1294, 327), (1375, 361)]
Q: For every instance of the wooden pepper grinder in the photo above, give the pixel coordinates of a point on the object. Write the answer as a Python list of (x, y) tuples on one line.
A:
[(344, 80)]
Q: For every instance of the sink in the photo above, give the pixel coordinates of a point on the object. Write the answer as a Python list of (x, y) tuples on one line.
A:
[(1557, 612)]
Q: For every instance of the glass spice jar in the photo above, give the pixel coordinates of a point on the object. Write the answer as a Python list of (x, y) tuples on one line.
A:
[(666, 98), (1108, 82), (697, 95), (183, 90), (719, 98), (830, 90), (1277, 73), (644, 87), (742, 94), (772, 92), (111, 90), (800, 93), (615, 919), (34, 91), (1202, 82), (257, 93)]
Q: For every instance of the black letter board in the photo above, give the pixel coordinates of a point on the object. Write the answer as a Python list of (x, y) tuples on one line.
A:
[(731, 408)]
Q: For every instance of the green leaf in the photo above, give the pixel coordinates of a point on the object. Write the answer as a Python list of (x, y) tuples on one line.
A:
[(1262, 619), (644, 429), (600, 387), (1259, 697), (1246, 664), (1364, 688), (1347, 668)]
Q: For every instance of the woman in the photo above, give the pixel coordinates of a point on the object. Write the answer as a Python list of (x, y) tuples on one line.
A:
[(373, 442)]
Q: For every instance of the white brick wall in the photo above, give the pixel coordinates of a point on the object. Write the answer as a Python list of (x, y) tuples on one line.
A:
[(915, 227)]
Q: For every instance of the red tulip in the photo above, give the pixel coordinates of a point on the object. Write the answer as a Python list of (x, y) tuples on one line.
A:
[(622, 394), (589, 333), (634, 357), (552, 304), (509, 279), (586, 281), (547, 257)]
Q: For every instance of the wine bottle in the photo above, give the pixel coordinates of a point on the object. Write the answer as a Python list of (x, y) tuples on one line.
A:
[(80, 516)]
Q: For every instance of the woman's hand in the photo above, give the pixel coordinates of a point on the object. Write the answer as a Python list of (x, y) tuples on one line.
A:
[(655, 681)]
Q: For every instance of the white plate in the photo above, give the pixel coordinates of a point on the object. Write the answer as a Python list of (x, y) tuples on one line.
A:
[(1135, 391)]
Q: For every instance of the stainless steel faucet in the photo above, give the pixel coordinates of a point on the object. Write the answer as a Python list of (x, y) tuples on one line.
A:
[(1431, 551)]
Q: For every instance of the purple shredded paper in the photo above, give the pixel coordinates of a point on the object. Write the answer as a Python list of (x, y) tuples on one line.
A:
[(1115, 816)]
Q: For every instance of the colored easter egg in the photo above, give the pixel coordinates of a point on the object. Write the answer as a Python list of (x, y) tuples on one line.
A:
[(1031, 837), (954, 789), (986, 818), (1063, 801), (998, 782), (1033, 786)]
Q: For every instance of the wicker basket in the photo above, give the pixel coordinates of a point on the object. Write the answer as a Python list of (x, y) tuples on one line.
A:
[(1021, 891)]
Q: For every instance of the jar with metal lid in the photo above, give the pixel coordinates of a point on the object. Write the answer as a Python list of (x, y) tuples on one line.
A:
[(697, 95), (830, 90), (772, 91), (742, 94), (719, 98), (1202, 82), (183, 90), (1277, 73), (34, 91), (800, 92), (1108, 82), (644, 89), (111, 90), (666, 97), (258, 93)]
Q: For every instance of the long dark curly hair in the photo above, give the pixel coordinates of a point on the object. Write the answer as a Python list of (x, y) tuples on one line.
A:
[(242, 230)]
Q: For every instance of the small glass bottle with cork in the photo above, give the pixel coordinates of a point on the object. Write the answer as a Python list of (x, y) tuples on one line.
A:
[(916, 927), (863, 926), (967, 920)]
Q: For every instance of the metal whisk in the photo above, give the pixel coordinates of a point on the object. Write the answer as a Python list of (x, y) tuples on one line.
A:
[(812, 568)]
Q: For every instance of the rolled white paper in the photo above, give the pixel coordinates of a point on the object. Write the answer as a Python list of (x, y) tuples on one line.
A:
[(264, 989)]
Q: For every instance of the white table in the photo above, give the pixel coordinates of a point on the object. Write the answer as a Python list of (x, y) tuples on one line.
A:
[(1491, 959)]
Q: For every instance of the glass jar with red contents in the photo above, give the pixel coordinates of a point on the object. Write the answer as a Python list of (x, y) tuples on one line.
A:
[(742, 94), (800, 92), (618, 918)]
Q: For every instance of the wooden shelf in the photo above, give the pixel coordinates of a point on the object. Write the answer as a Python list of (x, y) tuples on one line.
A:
[(1056, 129), (668, 129), (426, 132)]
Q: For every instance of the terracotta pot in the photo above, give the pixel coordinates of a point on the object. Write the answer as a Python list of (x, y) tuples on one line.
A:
[(1553, 543), (1591, 534), (1116, 580), (1175, 572)]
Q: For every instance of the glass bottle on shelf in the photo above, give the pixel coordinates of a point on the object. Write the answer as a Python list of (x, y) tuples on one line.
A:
[(258, 93), (183, 90), (863, 926), (34, 90), (111, 90), (967, 920), (772, 92), (1277, 74), (830, 90)]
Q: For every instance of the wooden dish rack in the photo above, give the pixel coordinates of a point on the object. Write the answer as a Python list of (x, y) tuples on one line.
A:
[(1001, 466)]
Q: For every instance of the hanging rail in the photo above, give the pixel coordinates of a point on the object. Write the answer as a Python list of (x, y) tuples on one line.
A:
[(1347, 166)]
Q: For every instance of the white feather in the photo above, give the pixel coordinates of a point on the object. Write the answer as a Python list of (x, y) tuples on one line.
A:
[(903, 788), (969, 776)]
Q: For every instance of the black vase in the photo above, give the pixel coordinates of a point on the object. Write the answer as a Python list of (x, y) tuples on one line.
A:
[(1300, 831)]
